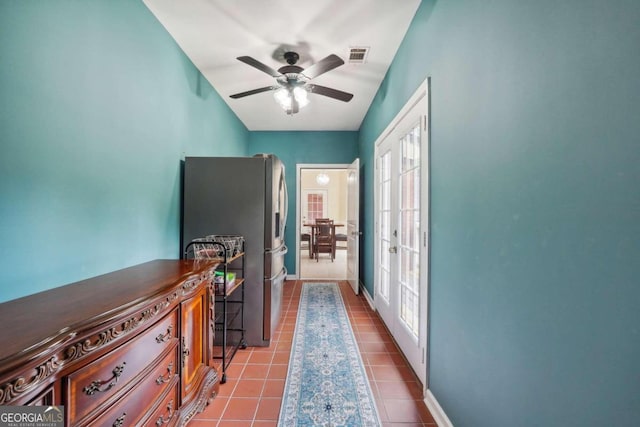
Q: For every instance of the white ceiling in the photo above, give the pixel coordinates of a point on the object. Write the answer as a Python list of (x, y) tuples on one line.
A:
[(212, 33)]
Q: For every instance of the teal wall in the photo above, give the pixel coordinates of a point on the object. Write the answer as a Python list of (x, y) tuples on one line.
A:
[(535, 203), (303, 147), (535, 199), (98, 106)]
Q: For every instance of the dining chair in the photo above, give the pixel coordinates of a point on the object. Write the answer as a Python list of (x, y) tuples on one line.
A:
[(325, 238), (306, 237)]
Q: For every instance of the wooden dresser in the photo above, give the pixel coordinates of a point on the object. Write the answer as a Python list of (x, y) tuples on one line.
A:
[(132, 347)]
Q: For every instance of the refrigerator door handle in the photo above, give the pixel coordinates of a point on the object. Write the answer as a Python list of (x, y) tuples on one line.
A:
[(273, 303), (278, 251), (286, 201), (282, 272)]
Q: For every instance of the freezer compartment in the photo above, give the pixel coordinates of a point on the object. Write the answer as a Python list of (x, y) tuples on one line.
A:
[(273, 288), (274, 261)]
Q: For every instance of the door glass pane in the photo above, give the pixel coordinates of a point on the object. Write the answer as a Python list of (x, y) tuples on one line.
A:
[(384, 231), (315, 206), (385, 277), (409, 229), (385, 226)]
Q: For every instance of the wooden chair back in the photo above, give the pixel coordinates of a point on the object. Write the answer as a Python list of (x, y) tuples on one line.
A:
[(325, 237)]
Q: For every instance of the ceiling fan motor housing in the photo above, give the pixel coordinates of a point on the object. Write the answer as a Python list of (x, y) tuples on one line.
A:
[(291, 71), (291, 57)]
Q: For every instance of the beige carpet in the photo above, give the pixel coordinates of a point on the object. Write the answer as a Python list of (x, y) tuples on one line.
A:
[(323, 268)]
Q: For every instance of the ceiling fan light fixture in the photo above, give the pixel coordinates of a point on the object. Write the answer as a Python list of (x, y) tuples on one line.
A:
[(283, 98), (301, 96)]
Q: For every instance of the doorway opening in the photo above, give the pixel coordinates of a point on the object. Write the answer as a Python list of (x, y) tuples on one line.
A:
[(322, 193)]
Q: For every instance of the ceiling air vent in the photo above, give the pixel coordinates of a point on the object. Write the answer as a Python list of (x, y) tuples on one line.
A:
[(358, 55)]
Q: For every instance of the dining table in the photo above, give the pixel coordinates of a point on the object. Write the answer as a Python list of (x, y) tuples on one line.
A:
[(313, 233)]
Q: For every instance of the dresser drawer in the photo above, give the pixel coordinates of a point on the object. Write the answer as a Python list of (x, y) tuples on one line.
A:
[(97, 382), (137, 402), (167, 411)]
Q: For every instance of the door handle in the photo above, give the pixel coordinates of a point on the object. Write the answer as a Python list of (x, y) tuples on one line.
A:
[(282, 273), (281, 250), (393, 250)]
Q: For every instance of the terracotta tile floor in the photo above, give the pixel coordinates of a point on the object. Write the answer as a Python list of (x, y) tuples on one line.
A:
[(255, 379)]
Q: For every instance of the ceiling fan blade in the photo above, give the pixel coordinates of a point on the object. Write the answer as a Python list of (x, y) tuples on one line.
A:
[(253, 92), (259, 65), (331, 93), (322, 66)]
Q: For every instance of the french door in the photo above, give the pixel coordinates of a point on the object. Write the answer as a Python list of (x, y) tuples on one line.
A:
[(401, 232)]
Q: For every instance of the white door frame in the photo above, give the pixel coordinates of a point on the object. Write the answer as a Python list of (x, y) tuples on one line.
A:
[(299, 168), (420, 96), (353, 225)]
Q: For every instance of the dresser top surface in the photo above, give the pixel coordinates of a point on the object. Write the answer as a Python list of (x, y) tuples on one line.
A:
[(30, 322)]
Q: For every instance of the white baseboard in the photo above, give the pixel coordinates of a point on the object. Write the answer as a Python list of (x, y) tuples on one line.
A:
[(367, 296), (292, 277), (436, 410)]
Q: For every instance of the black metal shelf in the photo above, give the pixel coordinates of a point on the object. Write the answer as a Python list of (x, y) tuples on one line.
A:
[(227, 315), (229, 318)]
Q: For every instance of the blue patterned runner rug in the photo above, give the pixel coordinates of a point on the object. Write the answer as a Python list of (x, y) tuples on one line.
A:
[(326, 384)]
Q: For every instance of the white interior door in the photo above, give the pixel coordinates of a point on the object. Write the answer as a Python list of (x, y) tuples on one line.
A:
[(401, 233), (353, 225)]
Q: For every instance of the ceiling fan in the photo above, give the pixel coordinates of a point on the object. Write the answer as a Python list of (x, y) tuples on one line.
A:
[(293, 81)]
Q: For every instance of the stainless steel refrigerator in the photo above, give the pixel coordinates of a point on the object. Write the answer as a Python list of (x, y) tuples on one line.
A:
[(245, 196)]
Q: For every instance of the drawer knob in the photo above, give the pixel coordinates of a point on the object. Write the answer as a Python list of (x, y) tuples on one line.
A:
[(165, 337), (119, 422), (96, 385), (162, 420), (161, 380)]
